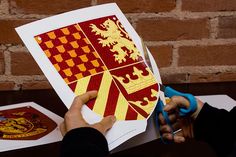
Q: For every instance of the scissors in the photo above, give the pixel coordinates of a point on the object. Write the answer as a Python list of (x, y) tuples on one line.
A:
[(169, 92)]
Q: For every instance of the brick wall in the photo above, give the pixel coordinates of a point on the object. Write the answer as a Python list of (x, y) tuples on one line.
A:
[(191, 40)]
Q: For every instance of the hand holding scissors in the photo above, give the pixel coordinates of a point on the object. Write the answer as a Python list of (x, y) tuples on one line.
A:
[(182, 109), (169, 92)]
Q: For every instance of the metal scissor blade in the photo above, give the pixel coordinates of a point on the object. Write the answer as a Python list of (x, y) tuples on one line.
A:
[(146, 55), (162, 87)]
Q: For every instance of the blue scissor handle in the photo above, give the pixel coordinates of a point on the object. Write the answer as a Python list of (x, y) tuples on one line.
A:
[(159, 109), (169, 92)]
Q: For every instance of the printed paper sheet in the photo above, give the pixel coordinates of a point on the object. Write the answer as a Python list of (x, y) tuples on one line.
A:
[(96, 48), (27, 124)]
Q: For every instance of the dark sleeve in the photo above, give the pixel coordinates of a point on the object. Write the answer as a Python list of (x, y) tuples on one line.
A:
[(84, 142), (217, 128)]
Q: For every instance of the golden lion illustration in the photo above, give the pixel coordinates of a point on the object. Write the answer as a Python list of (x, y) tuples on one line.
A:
[(113, 38)]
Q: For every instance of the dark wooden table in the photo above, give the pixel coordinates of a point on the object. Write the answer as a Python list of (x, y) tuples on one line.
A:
[(50, 100)]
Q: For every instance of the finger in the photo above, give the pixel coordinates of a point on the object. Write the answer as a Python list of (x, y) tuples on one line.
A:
[(176, 126), (168, 129), (175, 138), (179, 132), (108, 122), (178, 139), (74, 119), (104, 125), (167, 136), (165, 129), (80, 100), (172, 118), (162, 119), (62, 128), (88, 95), (176, 101), (75, 109)]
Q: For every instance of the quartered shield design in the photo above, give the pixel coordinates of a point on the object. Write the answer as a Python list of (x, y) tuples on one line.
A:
[(99, 55)]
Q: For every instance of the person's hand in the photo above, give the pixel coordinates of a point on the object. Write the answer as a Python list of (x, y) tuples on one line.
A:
[(74, 119), (183, 123)]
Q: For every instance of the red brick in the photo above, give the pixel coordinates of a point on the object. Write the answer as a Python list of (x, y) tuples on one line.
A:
[(7, 86), (209, 77), (227, 27), (173, 78), (207, 55), (137, 6), (208, 5), (166, 29), (2, 63), (45, 6), (162, 55), (23, 64), (8, 33), (36, 85)]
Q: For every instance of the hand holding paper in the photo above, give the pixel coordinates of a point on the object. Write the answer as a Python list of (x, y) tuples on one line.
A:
[(74, 119)]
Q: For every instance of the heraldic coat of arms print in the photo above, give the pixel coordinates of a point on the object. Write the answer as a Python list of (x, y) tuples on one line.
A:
[(96, 48), (100, 55), (24, 123)]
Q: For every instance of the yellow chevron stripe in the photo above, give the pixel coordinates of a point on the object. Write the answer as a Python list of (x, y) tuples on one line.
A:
[(82, 85), (121, 108), (100, 103)]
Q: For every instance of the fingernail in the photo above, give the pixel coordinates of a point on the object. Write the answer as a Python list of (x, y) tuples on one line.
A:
[(181, 139), (113, 118), (94, 91)]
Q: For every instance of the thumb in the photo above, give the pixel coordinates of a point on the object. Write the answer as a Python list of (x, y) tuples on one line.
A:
[(105, 124), (176, 102)]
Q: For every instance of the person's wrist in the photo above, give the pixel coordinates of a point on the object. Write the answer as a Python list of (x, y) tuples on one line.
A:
[(199, 107)]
